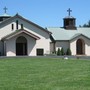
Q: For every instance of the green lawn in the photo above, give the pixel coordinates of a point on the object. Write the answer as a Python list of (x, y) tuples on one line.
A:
[(44, 74)]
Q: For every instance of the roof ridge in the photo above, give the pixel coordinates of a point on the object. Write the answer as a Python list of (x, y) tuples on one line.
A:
[(54, 27)]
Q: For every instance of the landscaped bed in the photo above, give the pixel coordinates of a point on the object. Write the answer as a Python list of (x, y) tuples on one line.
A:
[(44, 74)]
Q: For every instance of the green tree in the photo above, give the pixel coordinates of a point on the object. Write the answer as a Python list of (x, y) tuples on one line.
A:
[(87, 25), (62, 51), (68, 51), (58, 52)]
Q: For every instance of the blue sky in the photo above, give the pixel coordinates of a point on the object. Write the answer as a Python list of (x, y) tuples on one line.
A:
[(48, 13)]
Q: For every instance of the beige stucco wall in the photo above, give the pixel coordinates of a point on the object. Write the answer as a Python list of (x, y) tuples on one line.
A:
[(73, 47), (10, 47), (87, 45)]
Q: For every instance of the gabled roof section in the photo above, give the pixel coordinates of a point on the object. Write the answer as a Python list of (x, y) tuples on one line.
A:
[(17, 32), (79, 34), (63, 34), (19, 16)]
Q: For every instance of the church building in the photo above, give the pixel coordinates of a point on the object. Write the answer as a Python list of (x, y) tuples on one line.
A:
[(77, 39), (19, 36)]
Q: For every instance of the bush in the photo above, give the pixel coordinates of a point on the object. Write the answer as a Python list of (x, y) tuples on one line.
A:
[(68, 51), (54, 52), (62, 51), (58, 52)]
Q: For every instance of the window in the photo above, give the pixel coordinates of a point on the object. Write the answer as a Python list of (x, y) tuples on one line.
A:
[(21, 26), (16, 24), (40, 52), (12, 26)]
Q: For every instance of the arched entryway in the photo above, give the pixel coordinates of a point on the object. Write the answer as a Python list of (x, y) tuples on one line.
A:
[(80, 47), (21, 46)]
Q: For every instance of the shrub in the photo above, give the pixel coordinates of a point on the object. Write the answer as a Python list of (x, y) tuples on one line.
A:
[(62, 51), (68, 51), (54, 52), (58, 52)]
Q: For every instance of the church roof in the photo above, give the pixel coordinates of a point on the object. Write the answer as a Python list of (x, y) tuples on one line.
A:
[(19, 16), (63, 34)]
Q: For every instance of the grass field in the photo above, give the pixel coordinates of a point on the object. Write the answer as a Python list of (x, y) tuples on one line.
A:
[(44, 74)]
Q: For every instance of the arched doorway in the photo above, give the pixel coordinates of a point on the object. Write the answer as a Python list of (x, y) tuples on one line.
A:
[(21, 46), (80, 47)]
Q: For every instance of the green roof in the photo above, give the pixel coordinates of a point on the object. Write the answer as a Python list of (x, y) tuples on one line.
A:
[(63, 34)]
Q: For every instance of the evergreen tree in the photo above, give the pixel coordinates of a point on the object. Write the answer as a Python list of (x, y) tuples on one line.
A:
[(58, 52), (62, 51), (87, 25), (68, 51)]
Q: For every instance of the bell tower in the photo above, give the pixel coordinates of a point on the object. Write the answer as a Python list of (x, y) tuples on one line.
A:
[(69, 21)]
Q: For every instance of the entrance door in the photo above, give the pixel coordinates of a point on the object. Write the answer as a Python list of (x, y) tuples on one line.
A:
[(80, 47), (21, 46)]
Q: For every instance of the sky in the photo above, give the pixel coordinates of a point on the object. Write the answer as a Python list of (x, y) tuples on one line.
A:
[(48, 13)]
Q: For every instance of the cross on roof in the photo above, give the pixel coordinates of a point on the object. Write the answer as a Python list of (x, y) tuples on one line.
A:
[(5, 9), (69, 11)]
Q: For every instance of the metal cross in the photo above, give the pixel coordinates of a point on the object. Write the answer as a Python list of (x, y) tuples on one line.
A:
[(69, 11), (5, 9)]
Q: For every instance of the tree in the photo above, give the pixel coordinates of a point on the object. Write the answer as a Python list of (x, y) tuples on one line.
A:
[(62, 51), (58, 52), (68, 51), (87, 25)]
